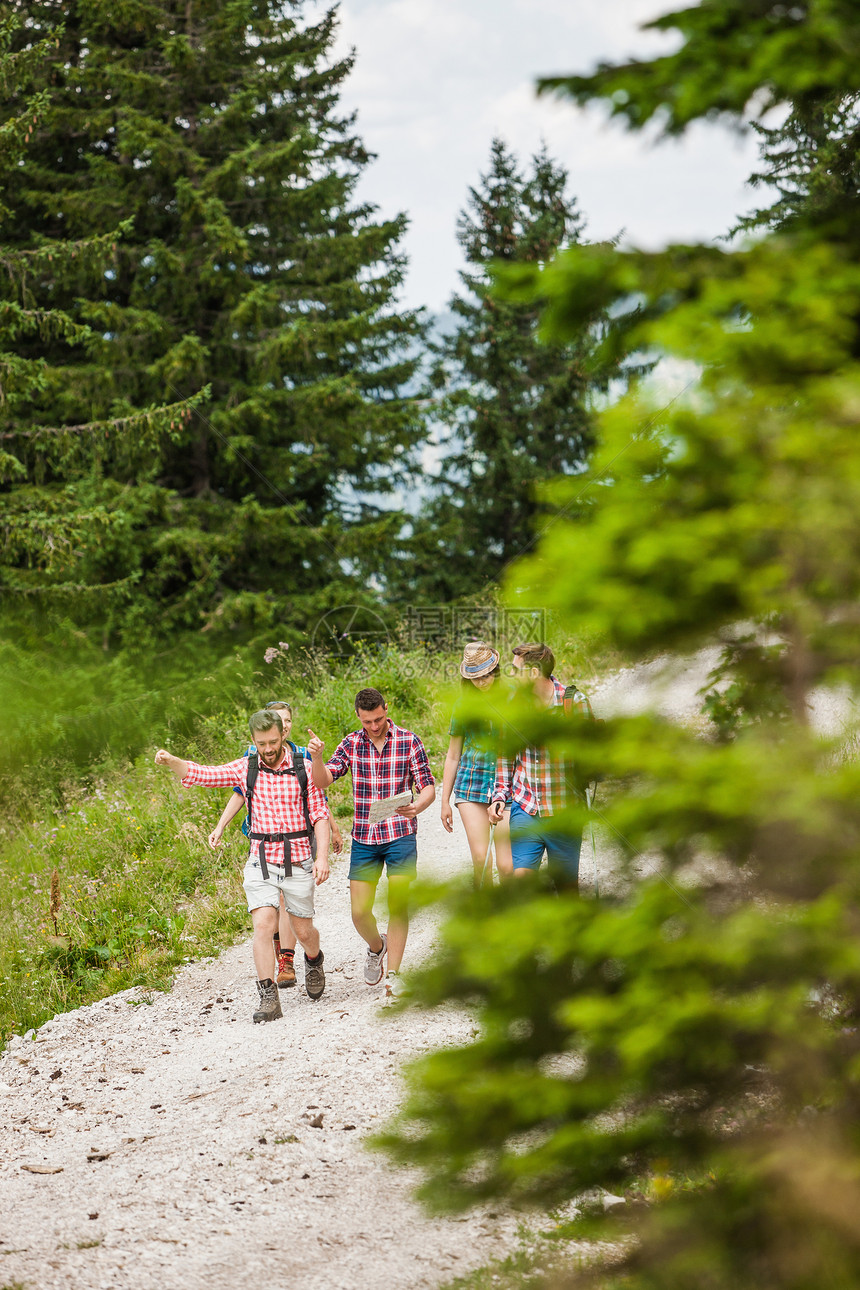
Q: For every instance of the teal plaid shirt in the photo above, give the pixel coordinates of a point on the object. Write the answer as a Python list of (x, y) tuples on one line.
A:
[(476, 773)]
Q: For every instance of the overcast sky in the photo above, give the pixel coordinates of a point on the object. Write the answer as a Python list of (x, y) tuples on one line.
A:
[(435, 80)]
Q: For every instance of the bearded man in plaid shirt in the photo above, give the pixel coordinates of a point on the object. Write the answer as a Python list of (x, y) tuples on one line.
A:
[(280, 860), (384, 760), (538, 784)]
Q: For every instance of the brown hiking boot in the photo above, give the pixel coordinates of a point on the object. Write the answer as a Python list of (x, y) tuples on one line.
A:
[(286, 970), (315, 977), (270, 1004)]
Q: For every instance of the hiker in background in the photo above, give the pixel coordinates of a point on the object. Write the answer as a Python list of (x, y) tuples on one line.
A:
[(470, 768), (385, 760), (280, 860), (539, 784), (284, 940)]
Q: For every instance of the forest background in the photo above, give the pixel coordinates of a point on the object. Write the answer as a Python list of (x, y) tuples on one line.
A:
[(217, 418), (209, 391), (217, 422)]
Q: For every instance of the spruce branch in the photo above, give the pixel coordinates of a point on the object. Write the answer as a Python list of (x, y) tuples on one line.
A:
[(71, 588), (103, 245), (178, 414)]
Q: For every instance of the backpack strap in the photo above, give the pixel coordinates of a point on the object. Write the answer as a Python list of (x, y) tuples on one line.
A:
[(300, 771), (572, 693), (302, 776), (573, 702), (286, 839), (253, 772)]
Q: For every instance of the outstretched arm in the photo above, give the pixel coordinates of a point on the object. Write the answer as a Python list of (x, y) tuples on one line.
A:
[(192, 773), (321, 774), (176, 764), (231, 810)]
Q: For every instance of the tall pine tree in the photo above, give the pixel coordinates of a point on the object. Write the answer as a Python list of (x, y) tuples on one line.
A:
[(513, 410), (43, 535), (201, 146)]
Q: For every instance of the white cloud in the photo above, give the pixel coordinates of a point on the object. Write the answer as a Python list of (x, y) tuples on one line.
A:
[(435, 80)]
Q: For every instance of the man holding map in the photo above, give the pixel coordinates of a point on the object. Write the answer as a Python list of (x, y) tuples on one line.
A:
[(387, 763)]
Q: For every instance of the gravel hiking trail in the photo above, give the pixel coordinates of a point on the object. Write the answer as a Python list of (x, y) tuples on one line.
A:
[(164, 1142), (190, 1148)]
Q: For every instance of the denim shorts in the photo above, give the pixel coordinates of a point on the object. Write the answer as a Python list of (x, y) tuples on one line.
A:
[(532, 835), (399, 856), (298, 889)]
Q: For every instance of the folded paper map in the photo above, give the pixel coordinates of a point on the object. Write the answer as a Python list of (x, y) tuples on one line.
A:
[(387, 806)]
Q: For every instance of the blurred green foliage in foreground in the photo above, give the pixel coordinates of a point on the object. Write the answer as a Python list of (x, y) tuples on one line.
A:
[(693, 1042)]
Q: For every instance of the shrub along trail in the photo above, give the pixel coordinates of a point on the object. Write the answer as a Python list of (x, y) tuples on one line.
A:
[(186, 1136)]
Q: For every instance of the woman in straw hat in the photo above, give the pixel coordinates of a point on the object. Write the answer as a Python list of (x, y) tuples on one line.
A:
[(470, 764)]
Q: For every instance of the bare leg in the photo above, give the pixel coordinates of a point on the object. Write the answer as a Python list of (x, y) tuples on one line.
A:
[(307, 934), (286, 935), (361, 896), (398, 920), (502, 846), (265, 920), (476, 822)]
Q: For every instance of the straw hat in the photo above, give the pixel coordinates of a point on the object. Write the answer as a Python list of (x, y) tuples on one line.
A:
[(479, 659)]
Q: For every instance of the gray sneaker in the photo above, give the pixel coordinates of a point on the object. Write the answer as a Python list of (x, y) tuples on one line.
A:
[(270, 1004), (314, 977), (373, 968)]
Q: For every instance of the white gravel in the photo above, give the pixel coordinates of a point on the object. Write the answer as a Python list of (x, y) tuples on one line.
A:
[(673, 686), (182, 1131), (211, 1172)]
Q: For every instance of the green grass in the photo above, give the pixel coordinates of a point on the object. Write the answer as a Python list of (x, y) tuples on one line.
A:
[(541, 1261), (73, 716), (140, 890)]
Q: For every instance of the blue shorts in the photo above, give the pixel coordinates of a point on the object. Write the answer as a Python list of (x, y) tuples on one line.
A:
[(400, 857), (532, 835)]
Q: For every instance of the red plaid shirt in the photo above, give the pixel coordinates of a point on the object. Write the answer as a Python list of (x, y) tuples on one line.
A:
[(277, 802), (538, 782), (401, 765)]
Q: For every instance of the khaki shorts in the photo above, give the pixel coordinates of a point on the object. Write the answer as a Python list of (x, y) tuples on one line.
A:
[(298, 889)]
